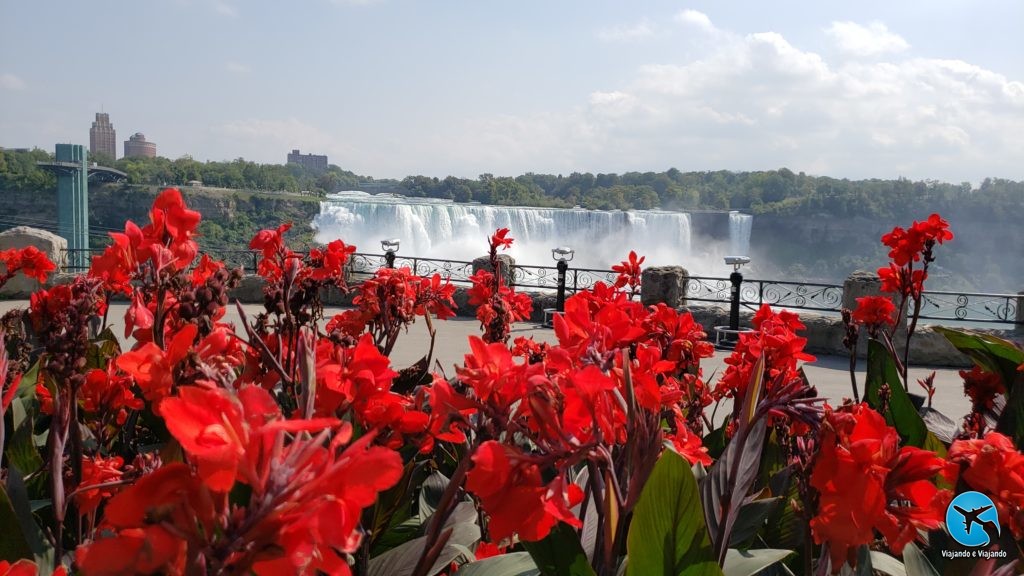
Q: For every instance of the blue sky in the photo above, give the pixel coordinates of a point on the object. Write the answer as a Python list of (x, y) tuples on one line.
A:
[(390, 87)]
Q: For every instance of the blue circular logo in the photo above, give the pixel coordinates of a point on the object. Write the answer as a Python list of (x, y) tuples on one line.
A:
[(972, 519)]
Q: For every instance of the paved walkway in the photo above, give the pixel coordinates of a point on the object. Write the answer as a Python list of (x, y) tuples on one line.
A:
[(829, 373)]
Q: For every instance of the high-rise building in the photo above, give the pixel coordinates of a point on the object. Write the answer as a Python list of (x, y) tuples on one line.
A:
[(308, 161), (137, 147), (102, 138)]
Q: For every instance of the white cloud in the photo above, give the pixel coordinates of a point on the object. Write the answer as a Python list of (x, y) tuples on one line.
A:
[(632, 33), (695, 18), (759, 102), (9, 81), (871, 40)]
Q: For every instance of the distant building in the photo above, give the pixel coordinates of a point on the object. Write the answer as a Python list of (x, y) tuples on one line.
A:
[(137, 147), (308, 161), (102, 138)]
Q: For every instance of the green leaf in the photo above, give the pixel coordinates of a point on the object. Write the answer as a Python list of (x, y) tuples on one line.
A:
[(401, 560), (668, 536), (751, 519), (14, 544), (560, 553), (902, 414), (430, 494), (750, 562), (916, 563), (21, 450), (511, 564), (882, 562), (16, 495), (992, 353)]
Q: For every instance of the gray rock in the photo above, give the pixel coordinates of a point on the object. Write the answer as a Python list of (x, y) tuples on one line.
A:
[(52, 245), (505, 262), (664, 284)]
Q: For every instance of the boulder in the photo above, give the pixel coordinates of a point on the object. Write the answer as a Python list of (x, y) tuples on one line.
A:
[(505, 262), (52, 245), (664, 284)]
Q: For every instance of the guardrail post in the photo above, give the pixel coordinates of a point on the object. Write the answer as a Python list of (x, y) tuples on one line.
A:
[(734, 309), (255, 261), (562, 267), (1019, 326)]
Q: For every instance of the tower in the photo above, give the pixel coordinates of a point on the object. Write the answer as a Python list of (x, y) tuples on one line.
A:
[(102, 137), (73, 200), (138, 147)]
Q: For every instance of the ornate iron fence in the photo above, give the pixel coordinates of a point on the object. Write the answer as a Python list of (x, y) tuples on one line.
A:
[(974, 307), (754, 293), (971, 307), (546, 277)]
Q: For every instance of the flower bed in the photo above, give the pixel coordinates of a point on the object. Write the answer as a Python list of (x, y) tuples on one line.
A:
[(291, 445)]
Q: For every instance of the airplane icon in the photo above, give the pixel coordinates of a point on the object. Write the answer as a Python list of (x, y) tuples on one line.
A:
[(972, 517)]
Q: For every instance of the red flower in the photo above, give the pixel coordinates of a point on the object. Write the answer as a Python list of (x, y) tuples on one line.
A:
[(29, 260), (270, 242), (491, 371), (105, 393), (860, 455), (982, 387), (514, 496), (500, 240), (330, 262), (206, 268), (629, 271), (153, 368), (24, 568), (95, 471), (120, 260), (875, 311), (995, 467), (776, 338), (209, 424)]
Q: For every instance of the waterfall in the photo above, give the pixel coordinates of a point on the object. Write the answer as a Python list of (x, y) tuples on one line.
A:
[(459, 231), (739, 233)]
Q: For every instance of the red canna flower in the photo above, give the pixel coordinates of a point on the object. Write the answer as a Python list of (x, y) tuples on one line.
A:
[(25, 568), (860, 455), (209, 425), (153, 368), (29, 260), (330, 262), (270, 242), (514, 496), (629, 272), (105, 393), (982, 386), (500, 239), (95, 471), (875, 311), (203, 270)]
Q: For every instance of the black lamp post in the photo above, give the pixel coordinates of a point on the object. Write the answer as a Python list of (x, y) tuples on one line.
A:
[(390, 246), (736, 279), (562, 256)]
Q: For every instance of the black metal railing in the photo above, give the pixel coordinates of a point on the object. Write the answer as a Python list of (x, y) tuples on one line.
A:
[(546, 277), (974, 307), (971, 307)]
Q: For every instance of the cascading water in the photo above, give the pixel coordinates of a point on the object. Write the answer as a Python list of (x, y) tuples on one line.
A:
[(739, 233), (444, 229)]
